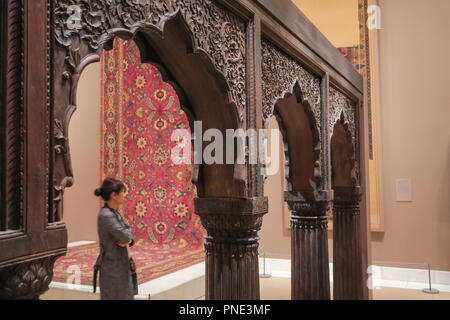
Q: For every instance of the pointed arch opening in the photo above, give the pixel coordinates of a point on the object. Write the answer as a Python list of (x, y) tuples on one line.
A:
[(199, 90), (299, 154), (301, 140), (343, 160), (203, 90)]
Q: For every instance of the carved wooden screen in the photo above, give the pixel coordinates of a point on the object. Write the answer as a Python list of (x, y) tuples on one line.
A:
[(11, 59), (233, 49), (346, 24)]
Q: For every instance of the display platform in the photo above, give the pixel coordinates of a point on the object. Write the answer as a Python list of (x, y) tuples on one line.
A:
[(163, 273)]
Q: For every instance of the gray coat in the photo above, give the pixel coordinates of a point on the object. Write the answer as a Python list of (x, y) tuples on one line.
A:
[(115, 274)]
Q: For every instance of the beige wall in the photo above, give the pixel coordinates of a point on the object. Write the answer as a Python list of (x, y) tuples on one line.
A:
[(336, 19), (80, 204), (275, 235), (413, 135), (414, 131)]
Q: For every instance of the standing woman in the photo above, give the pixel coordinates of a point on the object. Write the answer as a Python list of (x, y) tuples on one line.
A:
[(115, 236)]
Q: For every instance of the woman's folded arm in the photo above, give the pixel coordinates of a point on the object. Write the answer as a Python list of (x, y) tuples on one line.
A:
[(123, 234)]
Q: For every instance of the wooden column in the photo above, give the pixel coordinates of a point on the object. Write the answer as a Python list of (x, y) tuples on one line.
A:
[(310, 279), (348, 273), (231, 246), (28, 246)]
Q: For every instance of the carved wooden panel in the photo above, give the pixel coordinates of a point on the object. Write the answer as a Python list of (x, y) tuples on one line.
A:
[(339, 105), (11, 217), (218, 33), (280, 73), (343, 109)]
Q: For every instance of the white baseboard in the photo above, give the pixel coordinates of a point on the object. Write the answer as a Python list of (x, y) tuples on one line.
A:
[(185, 284), (78, 243), (382, 276), (175, 284)]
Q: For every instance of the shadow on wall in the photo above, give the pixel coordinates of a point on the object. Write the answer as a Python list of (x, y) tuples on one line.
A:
[(80, 204), (275, 235), (443, 223)]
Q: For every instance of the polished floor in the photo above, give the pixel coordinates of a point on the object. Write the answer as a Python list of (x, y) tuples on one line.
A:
[(280, 289)]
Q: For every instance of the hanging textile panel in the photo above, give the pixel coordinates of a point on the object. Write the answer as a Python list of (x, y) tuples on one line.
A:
[(352, 55), (139, 114)]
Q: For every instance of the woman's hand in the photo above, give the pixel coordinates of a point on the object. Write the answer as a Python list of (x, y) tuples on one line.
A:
[(122, 244)]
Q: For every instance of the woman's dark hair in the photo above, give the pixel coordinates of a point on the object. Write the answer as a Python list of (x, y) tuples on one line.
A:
[(109, 186)]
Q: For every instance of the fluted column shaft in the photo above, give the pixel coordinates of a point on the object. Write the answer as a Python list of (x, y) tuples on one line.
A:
[(232, 271), (348, 273), (310, 279)]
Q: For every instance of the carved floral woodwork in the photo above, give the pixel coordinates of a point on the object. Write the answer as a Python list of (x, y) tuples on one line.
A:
[(281, 76), (339, 105), (27, 280), (217, 33), (231, 218), (280, 73), (84, 28)]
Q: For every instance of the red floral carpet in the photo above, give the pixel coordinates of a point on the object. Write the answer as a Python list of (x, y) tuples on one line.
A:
[(151, 261), (139, 114)]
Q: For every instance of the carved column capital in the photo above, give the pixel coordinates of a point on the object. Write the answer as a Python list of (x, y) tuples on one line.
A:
[(308, 209), (26, 280), (231, 245), (346, 200), (231, 220), (315, 205)]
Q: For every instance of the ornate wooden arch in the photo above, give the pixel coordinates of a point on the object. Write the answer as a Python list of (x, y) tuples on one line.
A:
[(343, 115), (149, 56), (301, 102), (215, 33), (220, 48), (343, 155), (282, 77)]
